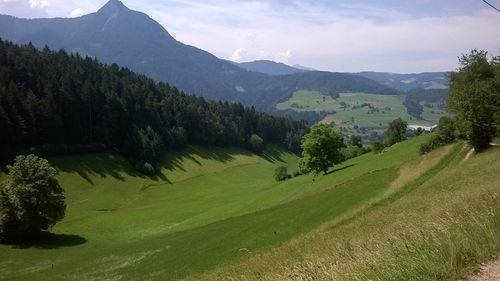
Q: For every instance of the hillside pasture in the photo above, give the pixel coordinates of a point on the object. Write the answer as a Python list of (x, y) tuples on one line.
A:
[(438, 226), (205, 208), (371, 111)]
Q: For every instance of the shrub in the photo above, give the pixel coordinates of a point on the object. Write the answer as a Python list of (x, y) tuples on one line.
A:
[(418, 132), (281, 173), (145, 168), (352, 151), (378, 147), (445, 134), (256, 144)]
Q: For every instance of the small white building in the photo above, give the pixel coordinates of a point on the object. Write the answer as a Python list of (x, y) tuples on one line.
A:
[(425, 128)]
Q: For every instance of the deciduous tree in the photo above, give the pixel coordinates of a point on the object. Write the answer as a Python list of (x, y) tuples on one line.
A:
[(396, 132), (31, 201), (321, 149), (475, 97)]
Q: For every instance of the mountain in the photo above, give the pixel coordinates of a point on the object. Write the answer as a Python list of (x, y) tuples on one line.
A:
[(269, 67), (116, 34), (298, 66), (406, 82), (52, 102)]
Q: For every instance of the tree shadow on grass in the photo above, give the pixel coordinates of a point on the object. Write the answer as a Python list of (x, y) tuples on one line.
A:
[(95, 164), (273, 154), (175, 159), (49, 241), (339, 169)]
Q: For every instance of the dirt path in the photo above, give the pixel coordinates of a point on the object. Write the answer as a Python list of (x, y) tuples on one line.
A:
[(468, 155), (471, 151), (489, 271)]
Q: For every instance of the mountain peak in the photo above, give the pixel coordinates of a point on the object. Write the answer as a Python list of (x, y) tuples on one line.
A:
[(113, 6)]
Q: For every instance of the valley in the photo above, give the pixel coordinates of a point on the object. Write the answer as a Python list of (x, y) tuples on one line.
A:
[(126, 154), (209, 208), (360, 113)]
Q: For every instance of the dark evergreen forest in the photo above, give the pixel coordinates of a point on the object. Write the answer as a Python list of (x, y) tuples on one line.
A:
[(54, 102)]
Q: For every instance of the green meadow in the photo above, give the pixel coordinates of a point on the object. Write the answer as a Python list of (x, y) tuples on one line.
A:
[(204, 209), (439, 219), (364, 110)]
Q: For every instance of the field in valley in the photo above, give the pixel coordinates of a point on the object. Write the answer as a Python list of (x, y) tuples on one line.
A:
[(371, 111), (213, 213)]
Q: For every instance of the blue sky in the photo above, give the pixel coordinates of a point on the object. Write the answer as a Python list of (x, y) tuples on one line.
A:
[(379, 35)]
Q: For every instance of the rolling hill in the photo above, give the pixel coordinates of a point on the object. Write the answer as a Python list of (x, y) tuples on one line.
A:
[(269, 67), (116, 34), (219, 213), (406, 82)]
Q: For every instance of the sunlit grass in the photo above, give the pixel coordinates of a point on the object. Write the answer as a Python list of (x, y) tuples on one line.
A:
[(438, 227)]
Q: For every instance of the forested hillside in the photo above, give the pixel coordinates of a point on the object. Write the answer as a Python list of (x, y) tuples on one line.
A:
[(269, 67), (117, 34), (410, 81), (53, 102), (417, 98)]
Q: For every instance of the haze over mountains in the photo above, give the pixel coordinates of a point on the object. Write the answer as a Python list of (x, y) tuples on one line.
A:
[(407, 82), (398, 81), (116, 34), (270, 67)]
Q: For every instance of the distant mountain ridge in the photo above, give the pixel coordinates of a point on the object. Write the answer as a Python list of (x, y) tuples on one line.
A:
[(406, 82), (116, 34), (270, 67)]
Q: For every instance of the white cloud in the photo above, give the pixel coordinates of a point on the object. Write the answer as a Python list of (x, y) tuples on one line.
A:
[(239, 54), (336, 40), (284, 57), (77, 13), (331, 36), (38, 3)]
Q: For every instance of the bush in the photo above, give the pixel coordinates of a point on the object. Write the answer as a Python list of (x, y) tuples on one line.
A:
[(146, 168), (352, 151), (281, 173), (435, 142), (378, 147), (418, 132), (256, 144), (446, 133)]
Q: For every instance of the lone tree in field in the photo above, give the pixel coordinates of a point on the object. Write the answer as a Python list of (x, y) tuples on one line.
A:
[(396, 132), (321, 149), (31, 200), (475, 97), (256, 144)]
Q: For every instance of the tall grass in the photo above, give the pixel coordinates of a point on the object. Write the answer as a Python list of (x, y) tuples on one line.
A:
[(446, 250), (438, 227)]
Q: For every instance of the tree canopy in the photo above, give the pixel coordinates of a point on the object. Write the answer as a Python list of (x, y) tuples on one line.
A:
[(475, 97), (256, 144), (31, 200), (321, 149), (55, 102), (396, 132)]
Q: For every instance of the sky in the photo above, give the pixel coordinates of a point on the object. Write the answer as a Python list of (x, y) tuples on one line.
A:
[(349, 36)]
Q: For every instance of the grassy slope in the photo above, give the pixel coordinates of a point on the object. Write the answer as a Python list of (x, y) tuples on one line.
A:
[(432, 113), (437, 227), (208, 207), (313, 101)]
